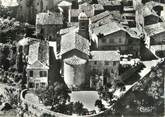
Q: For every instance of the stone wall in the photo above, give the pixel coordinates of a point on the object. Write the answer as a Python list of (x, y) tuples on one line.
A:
[(38, 111)]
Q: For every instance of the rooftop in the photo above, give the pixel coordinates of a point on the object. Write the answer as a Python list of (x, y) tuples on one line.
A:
[(108, 28), (154, 29), (64, 3), (158, 47), (9, 3), (74, 12), (73, 40), (99, 16), (49, 18), (38, 51), (109, 3), (147, 11), (74, 60), (98, 7), (105, 56), (105, 17), (37, 65)]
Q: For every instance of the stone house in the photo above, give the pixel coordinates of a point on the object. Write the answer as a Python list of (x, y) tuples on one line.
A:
[(113, 36), (75, 52), (150, 16), (87, 8), (110, 36), (65, 7), (156, 32), (48, 24), (98, 8), (104, 66), (29, 8), (38, 64)]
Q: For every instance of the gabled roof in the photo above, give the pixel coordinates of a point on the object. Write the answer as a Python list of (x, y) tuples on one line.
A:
[(147, 12), (73, 40), (109, 3), (88, 9), (64, 3), (108, 28), (37, 65), (49, 18), (105, 56), (155, 29), (26, 41), (75, 60), (74, 12), (106, 18), (98, 7), (99, 16), (38, 51)]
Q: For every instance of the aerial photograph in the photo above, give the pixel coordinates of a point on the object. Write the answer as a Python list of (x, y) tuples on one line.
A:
[(82, 58)]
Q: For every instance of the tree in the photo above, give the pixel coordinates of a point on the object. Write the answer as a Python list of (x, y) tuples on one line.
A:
[(78, 108), (100, 105), (53, 95)]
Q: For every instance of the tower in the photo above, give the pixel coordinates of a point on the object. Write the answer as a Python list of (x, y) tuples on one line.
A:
[(83, 25)]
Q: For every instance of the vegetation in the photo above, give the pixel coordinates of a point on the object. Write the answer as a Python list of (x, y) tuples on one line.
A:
[(145, 98)]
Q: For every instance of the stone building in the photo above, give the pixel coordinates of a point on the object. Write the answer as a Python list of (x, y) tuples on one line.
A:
[(113, 36), (150, 16), (48, 24), (110, 36), (156, 33), (104, 67), (38, 65), (66, 7), (75, 52), (29, 8)]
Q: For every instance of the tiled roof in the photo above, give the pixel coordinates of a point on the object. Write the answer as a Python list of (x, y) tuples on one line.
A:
[(105, 56), (154, 29), (106, 18), (147, 11), (49, 18), (73, 40), (9, 3), (98, 7), (27, 41), (38, 51), (109, 3), (88, 9), (99, 16), (108, 28), (37, 65), (64, 3), (74, 12), (67, 30), (74, 60)]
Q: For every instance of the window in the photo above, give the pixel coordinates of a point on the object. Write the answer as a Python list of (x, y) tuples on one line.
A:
[(119, 40), (31, 85), (103, 40), (31, 73), (43, 73), (106, 62), (114, 63), (95, 62), (43, 85), (111, 41), (37, 85)]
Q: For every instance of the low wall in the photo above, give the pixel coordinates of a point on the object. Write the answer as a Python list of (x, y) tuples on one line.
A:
[(37, 110)]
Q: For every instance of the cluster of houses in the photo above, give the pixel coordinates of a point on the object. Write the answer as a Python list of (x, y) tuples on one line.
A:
[(81, 42)]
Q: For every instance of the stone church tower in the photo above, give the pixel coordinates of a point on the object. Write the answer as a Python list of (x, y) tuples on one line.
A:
[(83, 25)]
